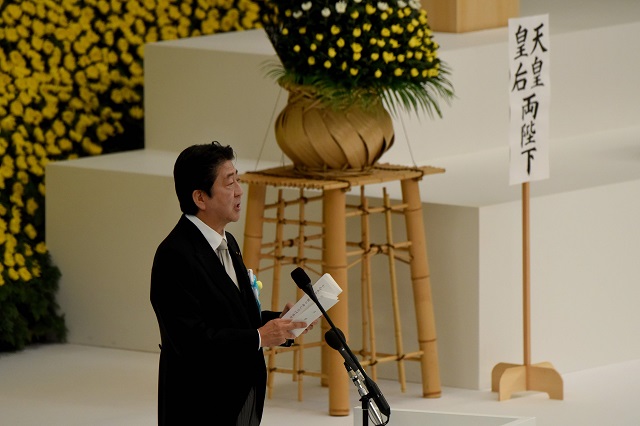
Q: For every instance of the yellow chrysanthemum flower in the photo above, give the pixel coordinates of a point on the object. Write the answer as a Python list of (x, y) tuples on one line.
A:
[(136, 112), (8, 123), (13, 274), (41, 247), (24, 274), (90, 147), (14, 225), (9, 260), (30, 231), (32, 206), (16, 108)]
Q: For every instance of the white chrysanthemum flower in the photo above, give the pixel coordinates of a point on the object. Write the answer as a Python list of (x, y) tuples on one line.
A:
[(402, 4), (415, 4), (341, 6), (297, 14), (326, 12), (306, 6), (383, 6)]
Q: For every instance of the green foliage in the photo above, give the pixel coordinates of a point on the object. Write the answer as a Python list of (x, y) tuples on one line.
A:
[(29, 313)]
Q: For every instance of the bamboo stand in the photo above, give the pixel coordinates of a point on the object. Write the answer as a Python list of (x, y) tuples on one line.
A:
[(334, 260), (508, 378)]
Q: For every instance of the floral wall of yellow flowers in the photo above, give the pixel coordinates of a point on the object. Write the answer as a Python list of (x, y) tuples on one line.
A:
[(71, 85)]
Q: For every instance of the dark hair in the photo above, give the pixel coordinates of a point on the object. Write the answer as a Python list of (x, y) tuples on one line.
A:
[(197, 168)]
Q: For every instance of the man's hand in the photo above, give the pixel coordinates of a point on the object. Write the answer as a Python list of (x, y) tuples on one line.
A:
[(286, 309), (277, 331)]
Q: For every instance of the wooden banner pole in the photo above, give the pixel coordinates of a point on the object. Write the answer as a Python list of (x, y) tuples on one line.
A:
[(542, 377), (526, 275)]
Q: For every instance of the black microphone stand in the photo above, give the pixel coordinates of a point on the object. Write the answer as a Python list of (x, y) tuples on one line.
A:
[(373, 392), (334, 339), (364, 400)]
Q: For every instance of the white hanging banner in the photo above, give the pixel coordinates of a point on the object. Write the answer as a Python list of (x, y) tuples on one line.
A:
[(529, 86)]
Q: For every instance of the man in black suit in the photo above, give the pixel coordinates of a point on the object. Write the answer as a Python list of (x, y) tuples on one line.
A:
[(212, 369)]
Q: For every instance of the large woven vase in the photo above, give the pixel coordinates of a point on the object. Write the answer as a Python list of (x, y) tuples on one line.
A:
[(319, 139)]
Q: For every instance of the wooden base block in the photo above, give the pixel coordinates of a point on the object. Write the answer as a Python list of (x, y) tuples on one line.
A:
[(509, 378), (460, 16)]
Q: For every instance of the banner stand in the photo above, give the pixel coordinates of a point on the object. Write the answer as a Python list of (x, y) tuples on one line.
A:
[(509, 378)]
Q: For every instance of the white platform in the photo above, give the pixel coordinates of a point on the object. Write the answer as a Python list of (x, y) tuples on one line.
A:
[(106, 215), (422, 418), (74, 385)]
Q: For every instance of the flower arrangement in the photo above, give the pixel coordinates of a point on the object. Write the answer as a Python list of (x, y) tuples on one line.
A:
[(358, 51), (71, 85)]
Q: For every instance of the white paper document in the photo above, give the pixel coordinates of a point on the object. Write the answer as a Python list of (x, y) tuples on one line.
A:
[(305, 310)]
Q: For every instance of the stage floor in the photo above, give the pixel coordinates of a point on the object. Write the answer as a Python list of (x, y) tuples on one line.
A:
[(68, 385)]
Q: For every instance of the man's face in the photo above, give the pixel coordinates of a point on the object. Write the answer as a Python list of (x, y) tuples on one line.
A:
[(223, 206)]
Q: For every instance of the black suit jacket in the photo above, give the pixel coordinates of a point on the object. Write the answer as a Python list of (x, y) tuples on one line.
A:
[(209, 356)]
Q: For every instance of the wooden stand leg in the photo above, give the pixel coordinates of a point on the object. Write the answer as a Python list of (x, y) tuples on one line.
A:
[(252, 246), (253, 227), (421, 281), (368, 319), (334, 256), (397, 325)]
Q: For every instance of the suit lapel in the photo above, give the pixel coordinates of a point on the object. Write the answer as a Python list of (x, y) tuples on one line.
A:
[(243, 278), (218, 278), (208, 258)]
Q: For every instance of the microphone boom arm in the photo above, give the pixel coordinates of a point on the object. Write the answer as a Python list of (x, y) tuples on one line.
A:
[(303, 281)]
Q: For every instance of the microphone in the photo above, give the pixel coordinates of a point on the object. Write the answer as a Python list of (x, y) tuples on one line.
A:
[(303, 282), (335, 338)]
